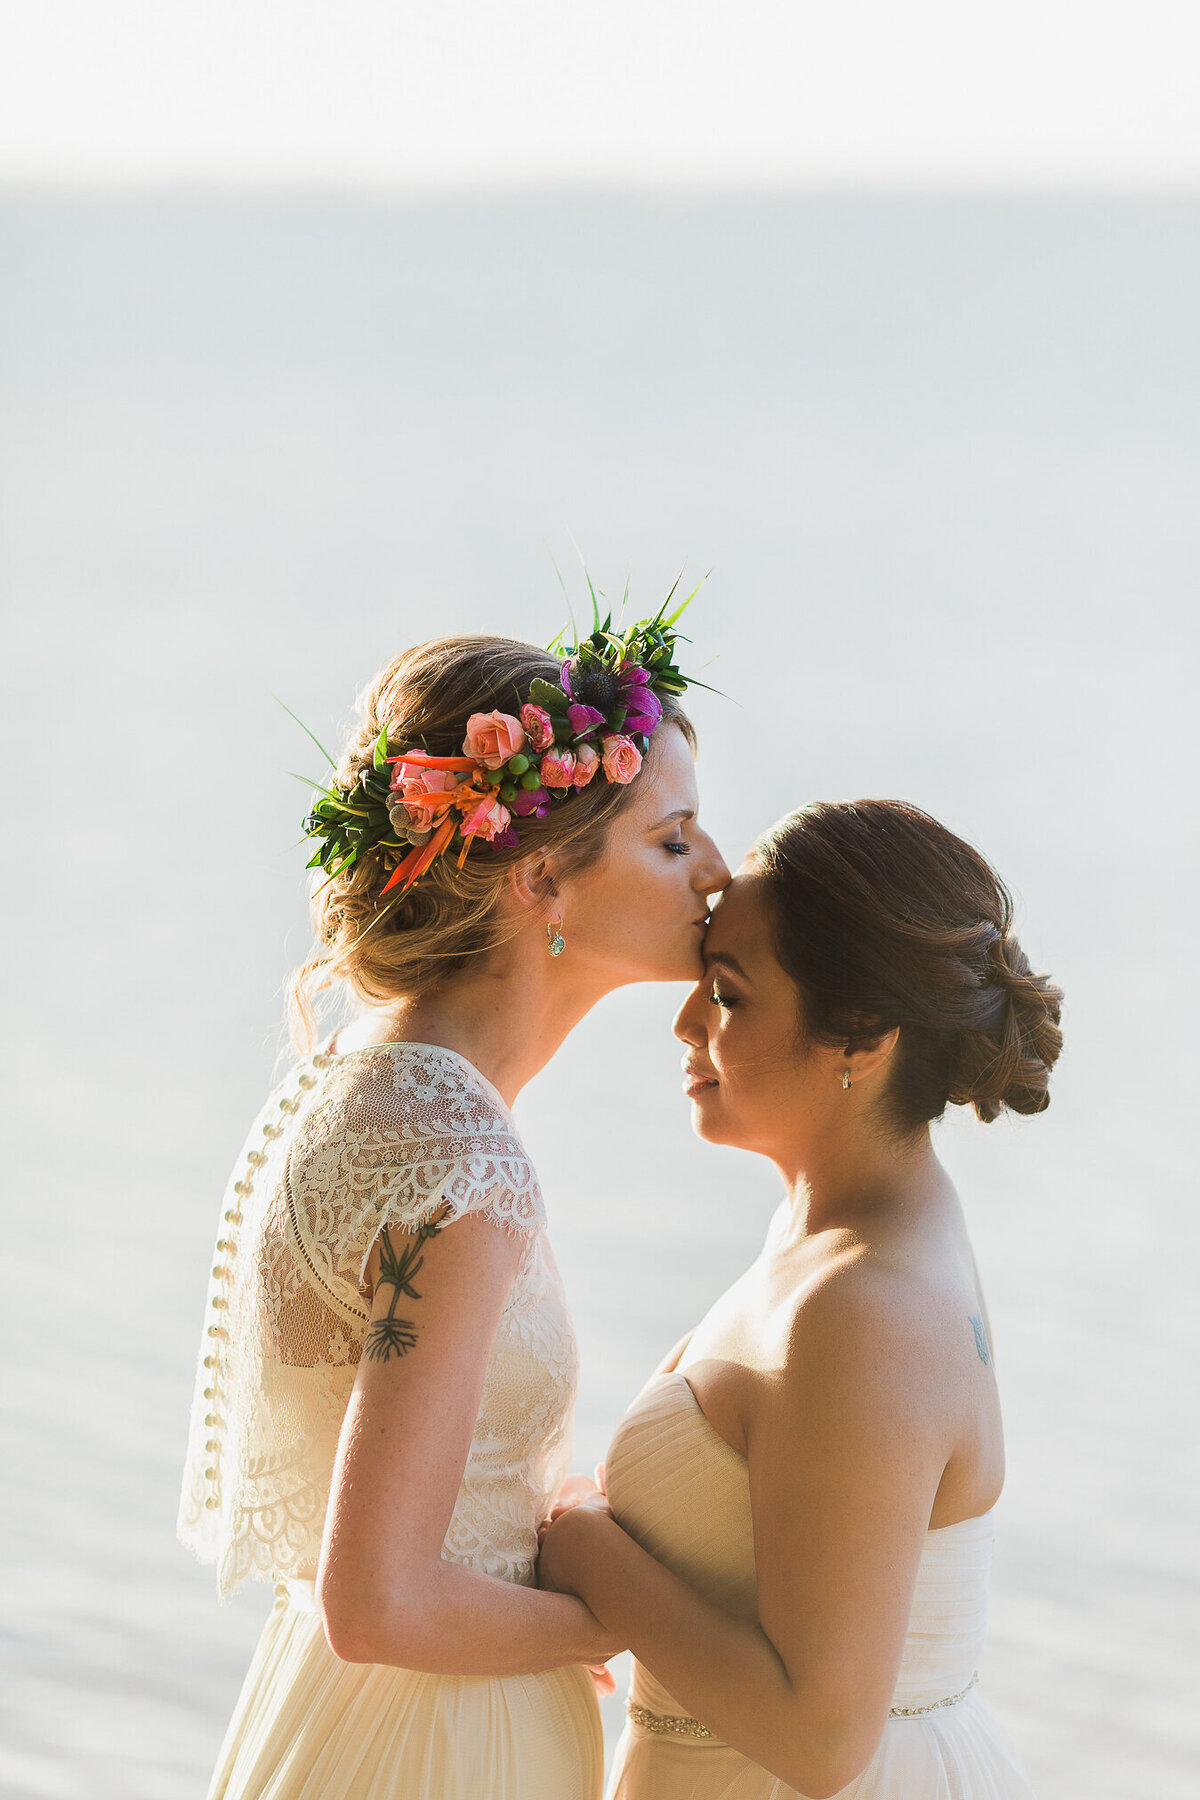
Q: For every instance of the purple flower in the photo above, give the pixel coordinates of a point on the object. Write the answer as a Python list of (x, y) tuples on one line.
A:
[(506, 839), (645, 712), (583, 719), (568, 690), (633, 675), (535, 801)]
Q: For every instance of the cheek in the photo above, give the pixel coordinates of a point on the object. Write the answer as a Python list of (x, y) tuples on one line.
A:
[(756, 1062), (650, 892)]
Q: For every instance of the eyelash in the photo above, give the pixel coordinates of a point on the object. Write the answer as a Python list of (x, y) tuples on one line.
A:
[(720, 1000), (678, 848)]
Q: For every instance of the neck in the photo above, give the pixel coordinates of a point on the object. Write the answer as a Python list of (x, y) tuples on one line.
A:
[(845, 1183), (507, 1017)]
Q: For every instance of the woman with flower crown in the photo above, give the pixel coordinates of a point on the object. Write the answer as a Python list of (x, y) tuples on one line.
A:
[(383, 1405), (796, 1535)]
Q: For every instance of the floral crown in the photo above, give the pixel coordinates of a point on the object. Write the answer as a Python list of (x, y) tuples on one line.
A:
[(596, 720)]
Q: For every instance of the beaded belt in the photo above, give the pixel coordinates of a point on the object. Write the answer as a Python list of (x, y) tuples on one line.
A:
[(683, 1725)]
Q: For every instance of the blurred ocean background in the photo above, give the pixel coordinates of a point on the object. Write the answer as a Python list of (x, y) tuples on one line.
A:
[(942, 457)]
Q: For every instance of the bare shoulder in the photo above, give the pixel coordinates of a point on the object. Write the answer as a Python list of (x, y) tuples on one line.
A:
[(861, 1316)]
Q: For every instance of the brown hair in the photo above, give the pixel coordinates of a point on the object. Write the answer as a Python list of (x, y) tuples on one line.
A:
[(884, 918), (408, 946)]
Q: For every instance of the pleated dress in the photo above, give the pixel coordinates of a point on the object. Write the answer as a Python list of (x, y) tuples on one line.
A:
[(684, 1494), (394, 1134)]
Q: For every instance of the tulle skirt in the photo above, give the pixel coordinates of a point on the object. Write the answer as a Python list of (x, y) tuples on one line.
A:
[(958, 1753), (309, 1727)]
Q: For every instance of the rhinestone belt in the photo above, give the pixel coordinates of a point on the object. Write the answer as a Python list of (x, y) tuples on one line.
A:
[(683, 1725), (667, 1724), (918, 1712)]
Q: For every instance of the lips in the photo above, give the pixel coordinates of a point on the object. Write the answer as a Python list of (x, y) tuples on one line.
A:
[(696, 1082)]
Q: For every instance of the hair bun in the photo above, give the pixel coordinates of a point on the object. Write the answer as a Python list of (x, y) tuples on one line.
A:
[(1007, 1062)]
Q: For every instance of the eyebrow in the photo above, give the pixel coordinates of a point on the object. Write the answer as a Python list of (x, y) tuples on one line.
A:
[(728, 958), (684, 812)]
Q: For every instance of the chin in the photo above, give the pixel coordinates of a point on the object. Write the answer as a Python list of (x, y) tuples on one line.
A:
[(689, 964), (707, 1124)]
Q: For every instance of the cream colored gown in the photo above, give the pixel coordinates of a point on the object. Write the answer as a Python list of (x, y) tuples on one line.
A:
[(684, 1494), (391, 1134)]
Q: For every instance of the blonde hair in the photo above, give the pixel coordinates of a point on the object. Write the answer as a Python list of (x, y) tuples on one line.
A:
[(397, 948)]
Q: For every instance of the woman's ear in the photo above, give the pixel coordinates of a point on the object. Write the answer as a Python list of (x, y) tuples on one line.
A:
[(867, 1052), (531, 883)]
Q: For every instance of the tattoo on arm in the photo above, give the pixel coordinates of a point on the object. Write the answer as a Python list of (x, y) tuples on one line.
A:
[(390, 1333), (981, 1343)]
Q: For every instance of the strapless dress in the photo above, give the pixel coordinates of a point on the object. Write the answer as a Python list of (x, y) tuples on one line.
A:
[(684, 1494)]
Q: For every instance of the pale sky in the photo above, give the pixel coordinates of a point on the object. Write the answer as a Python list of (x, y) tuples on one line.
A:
[(505, 93)]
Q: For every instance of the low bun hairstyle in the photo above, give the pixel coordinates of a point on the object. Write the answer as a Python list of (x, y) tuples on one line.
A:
[(406, 947), (884, 919)]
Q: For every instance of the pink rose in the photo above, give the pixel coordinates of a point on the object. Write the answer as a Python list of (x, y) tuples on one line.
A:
[(488, 820), (539, 726), (587, 761), (492, 738), (558, 769), (421, 789), (622, 758)]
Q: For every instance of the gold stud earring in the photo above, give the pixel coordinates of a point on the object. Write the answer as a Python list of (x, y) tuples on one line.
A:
[(846, 1081), (557, 943)]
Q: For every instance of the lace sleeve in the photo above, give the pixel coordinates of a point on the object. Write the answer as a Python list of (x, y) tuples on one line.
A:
[(351, 1145), (381, 1150)]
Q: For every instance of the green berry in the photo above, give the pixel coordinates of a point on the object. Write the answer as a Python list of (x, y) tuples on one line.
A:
[(508, 792), (495, 777), (531, 780), (518, 764)]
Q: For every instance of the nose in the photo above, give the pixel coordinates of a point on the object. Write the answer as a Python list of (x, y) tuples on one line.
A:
[(712, 871), (688, 1024)]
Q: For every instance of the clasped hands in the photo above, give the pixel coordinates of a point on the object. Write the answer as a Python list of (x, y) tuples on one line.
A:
[(562, 1545)]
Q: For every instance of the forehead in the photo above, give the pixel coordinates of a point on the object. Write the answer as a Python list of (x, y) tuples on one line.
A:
[(739, 925), (668, 783)]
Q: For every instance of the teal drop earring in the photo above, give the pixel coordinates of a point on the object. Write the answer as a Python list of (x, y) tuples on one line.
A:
[(557, 942)]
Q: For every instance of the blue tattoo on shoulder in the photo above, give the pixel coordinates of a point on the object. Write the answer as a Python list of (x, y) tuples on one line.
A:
[(981, 1343)]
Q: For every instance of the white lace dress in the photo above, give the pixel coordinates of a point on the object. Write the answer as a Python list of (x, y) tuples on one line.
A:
[(347, 1144)]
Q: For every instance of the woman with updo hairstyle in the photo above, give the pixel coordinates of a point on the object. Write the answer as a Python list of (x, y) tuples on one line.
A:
[(384, 1402), (795, 1530)]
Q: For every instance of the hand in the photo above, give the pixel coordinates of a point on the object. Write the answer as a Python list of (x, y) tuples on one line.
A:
[(603, 1679), (574, 1490), (562, 1541), (580, 1491)]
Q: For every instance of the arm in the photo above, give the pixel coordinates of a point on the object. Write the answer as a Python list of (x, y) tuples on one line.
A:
[(845, 1454), (385, 1592)]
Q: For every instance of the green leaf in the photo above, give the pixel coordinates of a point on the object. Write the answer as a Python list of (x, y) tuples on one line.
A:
[(317, 786), (682, 608), (547, 695), (332, 760), (379, 757), (595, 603), (570, 610)]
